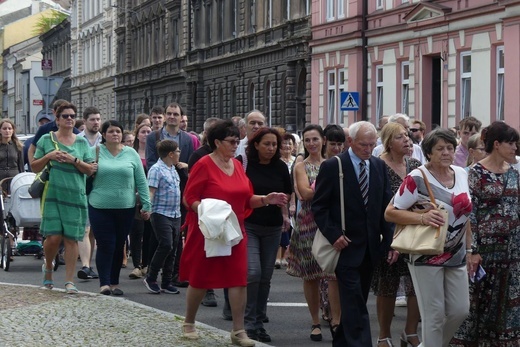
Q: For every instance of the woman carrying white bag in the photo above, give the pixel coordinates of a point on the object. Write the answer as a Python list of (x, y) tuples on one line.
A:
[(440, 281)]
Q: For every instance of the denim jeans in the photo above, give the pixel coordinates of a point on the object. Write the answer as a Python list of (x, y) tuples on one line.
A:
[(111, 228), (262, 246), (166, 231)]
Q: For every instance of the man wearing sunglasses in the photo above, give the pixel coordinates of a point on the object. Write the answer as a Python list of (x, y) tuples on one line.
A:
[(417, 129)]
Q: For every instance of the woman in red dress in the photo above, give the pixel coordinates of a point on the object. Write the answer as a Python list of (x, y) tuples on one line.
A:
[(219, 176)]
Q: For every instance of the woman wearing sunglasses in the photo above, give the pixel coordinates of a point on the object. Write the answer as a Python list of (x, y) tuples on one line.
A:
[(65, 201)]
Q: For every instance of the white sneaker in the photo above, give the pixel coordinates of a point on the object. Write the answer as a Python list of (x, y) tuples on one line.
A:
[(136, 273), (284, 263), (144, 271), (400, 301)]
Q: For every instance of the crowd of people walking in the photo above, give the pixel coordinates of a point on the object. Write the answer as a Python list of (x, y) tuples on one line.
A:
[(224, 209)]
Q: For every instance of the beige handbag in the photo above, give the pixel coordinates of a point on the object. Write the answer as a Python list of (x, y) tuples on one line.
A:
[(326, 256), (418, 238)]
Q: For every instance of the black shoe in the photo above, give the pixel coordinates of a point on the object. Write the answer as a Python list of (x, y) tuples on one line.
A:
[(152, 286), (181, 284), (265, 320), (169, 289), (316, 337), (263, 336), (209, 299), (226, 314), (84, 273), (92, 273), (251, 333)]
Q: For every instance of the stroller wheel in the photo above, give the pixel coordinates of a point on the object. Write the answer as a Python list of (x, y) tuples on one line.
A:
[(6, 252)]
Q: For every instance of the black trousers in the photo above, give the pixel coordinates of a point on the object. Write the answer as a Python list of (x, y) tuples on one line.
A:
[(354, 286)]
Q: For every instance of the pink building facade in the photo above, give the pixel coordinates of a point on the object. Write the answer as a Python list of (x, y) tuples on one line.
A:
[(437, 61)]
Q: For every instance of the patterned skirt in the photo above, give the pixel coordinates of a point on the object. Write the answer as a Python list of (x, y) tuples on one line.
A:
[(301, 262)]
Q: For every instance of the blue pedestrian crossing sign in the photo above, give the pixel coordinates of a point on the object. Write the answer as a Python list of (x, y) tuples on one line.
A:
[(349, 101)]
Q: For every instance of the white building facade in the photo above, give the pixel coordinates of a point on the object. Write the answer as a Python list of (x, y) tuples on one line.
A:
[(22, 62), (438, 61), (93, 56)]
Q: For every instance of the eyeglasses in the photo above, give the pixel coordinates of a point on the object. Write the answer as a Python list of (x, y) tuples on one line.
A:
[(414, 130), (481, 148), (233, 142), (66, 116)]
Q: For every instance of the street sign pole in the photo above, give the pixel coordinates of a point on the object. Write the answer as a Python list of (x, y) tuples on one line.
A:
[(48, 87)]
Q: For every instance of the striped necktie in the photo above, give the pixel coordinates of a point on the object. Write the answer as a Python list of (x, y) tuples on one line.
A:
[(363, 181)]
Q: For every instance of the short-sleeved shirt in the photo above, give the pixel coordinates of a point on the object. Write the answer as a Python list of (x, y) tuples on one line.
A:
[(65, 206), (456, 200), (167, 197)]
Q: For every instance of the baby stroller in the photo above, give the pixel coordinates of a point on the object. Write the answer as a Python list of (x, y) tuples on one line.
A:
[(19, 210)]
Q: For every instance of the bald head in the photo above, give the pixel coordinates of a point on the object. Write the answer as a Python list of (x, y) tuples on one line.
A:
[(254, 121)]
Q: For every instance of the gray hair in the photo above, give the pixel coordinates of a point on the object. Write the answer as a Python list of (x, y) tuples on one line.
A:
[(209, 122), (354, 128), (395, 117), (239, 121)]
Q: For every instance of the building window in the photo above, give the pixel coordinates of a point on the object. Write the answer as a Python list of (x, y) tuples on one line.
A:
[(500, 83), (331, 97), (252, 104), (405, 87), (220, 21), (379, 92), (379, 4), (288, 9), (330, 10), (175, 37), (341, 8), (208, 101), (268, 102), (465, 59), (221, 103), (252, 15), (233, 101), (342, 87)]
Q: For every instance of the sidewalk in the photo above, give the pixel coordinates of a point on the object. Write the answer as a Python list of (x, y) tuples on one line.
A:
[(33, 316)]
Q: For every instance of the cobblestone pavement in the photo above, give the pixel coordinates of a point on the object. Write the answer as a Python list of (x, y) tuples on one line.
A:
[(34, 316)]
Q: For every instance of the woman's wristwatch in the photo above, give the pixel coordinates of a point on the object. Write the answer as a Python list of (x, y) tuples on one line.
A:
[(473, 250)]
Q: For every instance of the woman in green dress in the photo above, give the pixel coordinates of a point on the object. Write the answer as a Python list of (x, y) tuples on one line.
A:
[(64, 205)]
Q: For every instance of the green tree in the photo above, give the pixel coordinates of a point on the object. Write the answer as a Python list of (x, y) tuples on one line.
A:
[(45, 23)]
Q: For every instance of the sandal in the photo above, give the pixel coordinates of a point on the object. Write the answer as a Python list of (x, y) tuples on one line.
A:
[(316, 337), (191, 335), (48, 284), (70, 288), (405, 339), (386, 340)]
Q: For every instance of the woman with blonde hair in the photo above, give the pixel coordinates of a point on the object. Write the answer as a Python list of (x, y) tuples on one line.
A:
[(386, 278), (476, 149)]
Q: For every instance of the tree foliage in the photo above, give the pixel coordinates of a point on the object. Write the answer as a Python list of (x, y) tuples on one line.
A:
[(47, 22)]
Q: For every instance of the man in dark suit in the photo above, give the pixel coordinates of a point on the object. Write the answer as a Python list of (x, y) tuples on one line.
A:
[(367, 236)]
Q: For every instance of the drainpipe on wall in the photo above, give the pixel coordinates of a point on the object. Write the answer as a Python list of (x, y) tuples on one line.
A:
[(364, 49)]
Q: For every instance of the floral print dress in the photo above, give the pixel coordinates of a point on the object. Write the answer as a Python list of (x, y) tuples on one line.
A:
[(494, 318)]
